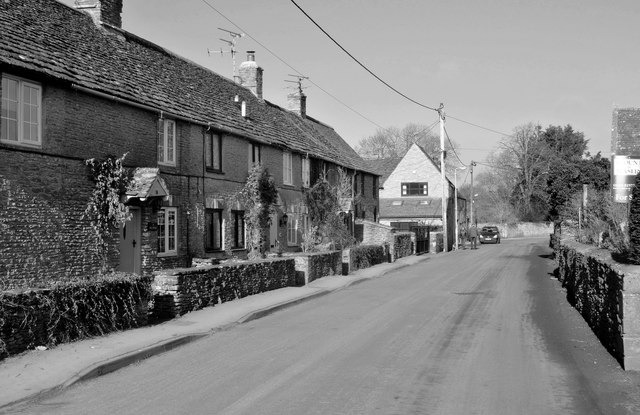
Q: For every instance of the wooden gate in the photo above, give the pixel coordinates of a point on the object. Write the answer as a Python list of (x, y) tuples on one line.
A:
[(422, 238)]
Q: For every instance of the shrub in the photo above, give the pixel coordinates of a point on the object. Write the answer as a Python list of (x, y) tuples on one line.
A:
[(72, 311), (364, 256)]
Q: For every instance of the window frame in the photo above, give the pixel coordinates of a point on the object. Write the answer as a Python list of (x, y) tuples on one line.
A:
[(209, 231), (287, 168), (163, 142), (22, 83), (213, 157), (253, 147), (164, 233), (414, 189)]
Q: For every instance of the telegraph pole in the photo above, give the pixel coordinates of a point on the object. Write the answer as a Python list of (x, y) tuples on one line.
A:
[(473, 163), (445, 187)]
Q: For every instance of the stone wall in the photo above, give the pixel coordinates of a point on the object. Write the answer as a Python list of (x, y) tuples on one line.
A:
[(311, 266), (179, 291), (607, 295)]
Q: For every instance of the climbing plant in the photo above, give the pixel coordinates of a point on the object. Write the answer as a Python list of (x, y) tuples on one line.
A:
[(104, 209), (259, 195)]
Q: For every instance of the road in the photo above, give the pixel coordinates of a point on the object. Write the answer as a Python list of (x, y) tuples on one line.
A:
[(484, 331)]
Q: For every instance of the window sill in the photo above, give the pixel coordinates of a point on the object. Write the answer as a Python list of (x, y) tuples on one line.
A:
[(210, 170), (21, 144), (167, 254)]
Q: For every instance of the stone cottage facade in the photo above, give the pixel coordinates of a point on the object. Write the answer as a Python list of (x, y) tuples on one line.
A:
[(75, 86)]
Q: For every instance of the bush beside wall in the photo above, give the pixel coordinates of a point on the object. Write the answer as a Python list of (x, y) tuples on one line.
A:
[(365, 256), (311, 266), (402, 245), (607, 295), (72, 311), (179, 291)]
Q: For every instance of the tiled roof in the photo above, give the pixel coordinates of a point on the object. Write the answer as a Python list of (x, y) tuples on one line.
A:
[(53, 39), (384, 167), (414, 207)]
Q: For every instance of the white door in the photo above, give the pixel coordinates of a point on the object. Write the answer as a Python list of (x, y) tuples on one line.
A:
[(130, 243)]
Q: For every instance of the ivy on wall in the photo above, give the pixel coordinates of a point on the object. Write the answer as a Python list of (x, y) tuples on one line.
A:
[(259, 195), (105, 209)]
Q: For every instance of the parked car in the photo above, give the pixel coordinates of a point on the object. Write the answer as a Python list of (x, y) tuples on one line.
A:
[(489, 235)]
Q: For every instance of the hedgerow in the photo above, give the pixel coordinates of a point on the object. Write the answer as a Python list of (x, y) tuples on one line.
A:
[(365, 256), (72, 311)]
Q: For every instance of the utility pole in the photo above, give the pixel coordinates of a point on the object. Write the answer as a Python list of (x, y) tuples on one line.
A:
[(473, 163), (445, 187)]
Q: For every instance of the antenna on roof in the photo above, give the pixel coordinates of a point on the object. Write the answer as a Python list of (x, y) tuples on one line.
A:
[(299, 79), (232, 47)]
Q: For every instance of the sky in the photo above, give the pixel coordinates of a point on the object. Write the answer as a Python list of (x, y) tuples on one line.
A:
[(497, 64)]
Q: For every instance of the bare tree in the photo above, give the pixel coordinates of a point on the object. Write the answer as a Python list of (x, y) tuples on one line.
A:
[(526, 155), (394, 142)]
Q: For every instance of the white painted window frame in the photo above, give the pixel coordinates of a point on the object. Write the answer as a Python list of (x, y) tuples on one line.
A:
[(23, 84)]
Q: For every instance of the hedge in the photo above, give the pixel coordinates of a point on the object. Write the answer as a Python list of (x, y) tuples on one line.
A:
[(71, 311), (365, 256)]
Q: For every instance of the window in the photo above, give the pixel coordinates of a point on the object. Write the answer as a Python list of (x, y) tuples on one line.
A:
[(287, 170), (167, 142), (362, 185), (292, 229), (415, 189), (306, 172), (21, 111), (254, 154), (237, 227), (213, 152), (213, 225), (167, 231), (375, 188)]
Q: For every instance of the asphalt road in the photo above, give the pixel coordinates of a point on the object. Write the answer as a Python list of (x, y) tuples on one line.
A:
[(470, 332)]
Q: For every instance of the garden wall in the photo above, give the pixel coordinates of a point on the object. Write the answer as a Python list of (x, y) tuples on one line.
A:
[(311, 266), (607, 295), (71, 311), (363, 256), (178, 291)]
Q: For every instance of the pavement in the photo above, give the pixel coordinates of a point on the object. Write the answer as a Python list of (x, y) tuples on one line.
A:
[(38, 373)]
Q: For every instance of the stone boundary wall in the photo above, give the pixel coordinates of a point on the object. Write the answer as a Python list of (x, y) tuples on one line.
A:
[(311, 266), (363, 256), (179, 291), (399, 243), (606, 294)]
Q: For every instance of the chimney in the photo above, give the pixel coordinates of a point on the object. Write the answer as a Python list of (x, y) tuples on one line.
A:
[(297, 102), (103, 11), (250, 74)]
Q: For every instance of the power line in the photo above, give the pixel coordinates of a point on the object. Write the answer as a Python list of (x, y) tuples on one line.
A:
[(288, 65), (360, 63), (451, 145)]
